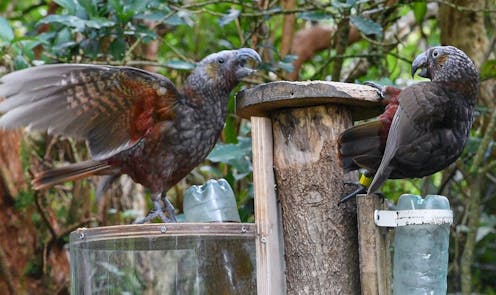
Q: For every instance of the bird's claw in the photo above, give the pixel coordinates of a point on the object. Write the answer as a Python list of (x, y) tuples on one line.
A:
[(360, 189), (170, 209), (380, 88), (152, 215), (158, 211)]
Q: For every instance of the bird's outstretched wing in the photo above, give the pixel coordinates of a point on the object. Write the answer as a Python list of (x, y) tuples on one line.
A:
[(111, 107)]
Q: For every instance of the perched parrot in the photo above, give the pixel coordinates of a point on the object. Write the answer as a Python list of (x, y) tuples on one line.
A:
[(424, 127), (135, 122)]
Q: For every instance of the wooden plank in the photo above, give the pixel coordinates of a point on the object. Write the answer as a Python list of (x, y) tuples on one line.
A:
[(375, 260), (270, 269), (262, 99)]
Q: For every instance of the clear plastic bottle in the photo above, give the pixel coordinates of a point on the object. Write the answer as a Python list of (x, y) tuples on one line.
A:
[(212, 202), (421, 250)]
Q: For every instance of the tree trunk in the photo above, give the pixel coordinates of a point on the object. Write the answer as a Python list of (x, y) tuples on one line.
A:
[(310, 184), (462, 25), (27, 264), (464, 29)]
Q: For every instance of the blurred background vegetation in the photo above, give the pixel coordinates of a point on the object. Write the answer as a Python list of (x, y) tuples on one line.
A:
[(339, 40)]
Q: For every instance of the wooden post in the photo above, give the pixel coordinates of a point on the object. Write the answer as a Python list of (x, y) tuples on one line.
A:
[(375, 257), (320, 237), (320, 242), (270, 269)]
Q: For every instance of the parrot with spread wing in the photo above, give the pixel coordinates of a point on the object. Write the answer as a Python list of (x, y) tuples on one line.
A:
[(424, 127), (134, 122)]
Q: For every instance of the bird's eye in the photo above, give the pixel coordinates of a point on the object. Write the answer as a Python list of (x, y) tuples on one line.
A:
[(435, 53), (220, 60)]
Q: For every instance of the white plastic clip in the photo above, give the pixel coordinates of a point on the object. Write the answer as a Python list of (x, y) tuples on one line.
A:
[(388, 218)]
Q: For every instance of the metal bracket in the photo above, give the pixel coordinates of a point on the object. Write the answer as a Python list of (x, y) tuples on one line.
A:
[(388, 218)]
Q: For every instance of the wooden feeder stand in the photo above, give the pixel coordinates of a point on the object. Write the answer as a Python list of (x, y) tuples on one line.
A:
[(295, 127)]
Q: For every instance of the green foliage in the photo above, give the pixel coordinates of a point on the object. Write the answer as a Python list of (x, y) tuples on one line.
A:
[(34, 268), (116, 31), (365, 25), (6, 32), (24, 200), (419, 11), (237, 155), (488, 70), (314, 16)]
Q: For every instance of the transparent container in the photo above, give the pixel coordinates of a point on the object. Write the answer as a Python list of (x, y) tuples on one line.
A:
[(212, 202), (421, 250), (181, 258)]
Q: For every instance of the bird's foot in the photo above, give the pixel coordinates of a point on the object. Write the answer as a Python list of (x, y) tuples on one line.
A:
[(380, 88), (360, 189), (158, 211), (169, 208)]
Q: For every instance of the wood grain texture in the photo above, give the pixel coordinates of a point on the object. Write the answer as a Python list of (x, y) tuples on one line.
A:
[(375, 259), (261, 100), (270, 262), (320, 237)]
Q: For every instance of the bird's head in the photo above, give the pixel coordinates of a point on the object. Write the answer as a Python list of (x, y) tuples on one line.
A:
[(228, 67), (444, 63)]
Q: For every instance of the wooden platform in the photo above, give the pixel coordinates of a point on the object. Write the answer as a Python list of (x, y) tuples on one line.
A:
[(262, 99)]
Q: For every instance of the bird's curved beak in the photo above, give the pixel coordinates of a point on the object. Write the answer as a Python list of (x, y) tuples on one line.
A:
[(249, 60), (420, 62)]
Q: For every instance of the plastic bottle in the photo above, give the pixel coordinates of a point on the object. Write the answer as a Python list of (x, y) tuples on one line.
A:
[(212, 202), (421, 250)]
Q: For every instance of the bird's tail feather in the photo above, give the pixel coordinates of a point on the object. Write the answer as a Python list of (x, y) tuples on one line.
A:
[(69, 173), (361, 146)]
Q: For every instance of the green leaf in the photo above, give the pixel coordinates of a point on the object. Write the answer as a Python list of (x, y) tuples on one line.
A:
[(182, 17), (20, 62), (24, 199), (230, 131), (488, 70), (230, 16), (143, 32), (154, 16), (137, 6), (226, 152), (366, 26), (27, 46), (120, 13), (118, 48), (98, 23), (343, 4), (70, 5), (66, 20), (179, 65), (287, 63), (88, 8), (287, 67), (419, 11), (314, 16), (6, 33), (237, 155), (483, 231)]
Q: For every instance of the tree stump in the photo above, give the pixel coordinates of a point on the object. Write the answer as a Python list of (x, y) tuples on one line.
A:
[(320, 237)]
